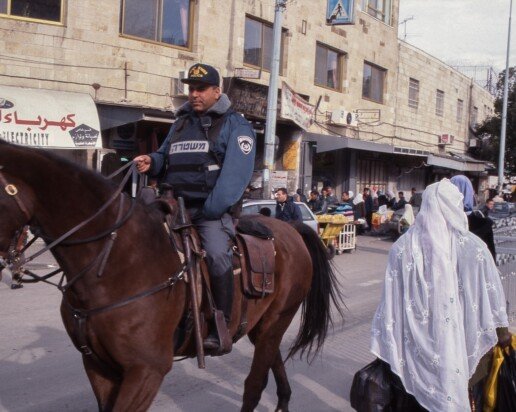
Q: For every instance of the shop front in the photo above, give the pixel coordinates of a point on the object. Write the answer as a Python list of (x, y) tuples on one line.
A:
[(250, 99), (64, 122), (129, 131)]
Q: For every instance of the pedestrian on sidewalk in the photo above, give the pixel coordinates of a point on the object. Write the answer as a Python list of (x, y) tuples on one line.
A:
[(443, 306)]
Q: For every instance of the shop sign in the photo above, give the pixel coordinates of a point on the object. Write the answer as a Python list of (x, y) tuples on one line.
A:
[(47, 118), (247, 98), (247, 73), (367, 115), (295, 108)]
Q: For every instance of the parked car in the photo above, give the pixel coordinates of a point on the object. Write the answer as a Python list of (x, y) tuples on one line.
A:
[(252, 207)]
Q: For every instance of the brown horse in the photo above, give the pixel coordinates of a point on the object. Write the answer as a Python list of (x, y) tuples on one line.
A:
[(132, 344)]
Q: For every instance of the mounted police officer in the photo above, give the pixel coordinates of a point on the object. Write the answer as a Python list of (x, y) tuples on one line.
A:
[(208, 159)]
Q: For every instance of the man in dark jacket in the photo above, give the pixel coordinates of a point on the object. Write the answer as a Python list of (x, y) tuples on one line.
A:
[(286, 209), (315, 203), (400, 204), (208, 159)]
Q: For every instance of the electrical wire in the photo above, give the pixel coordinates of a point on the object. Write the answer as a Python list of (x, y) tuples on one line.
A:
[(80, 84), (382, 136)]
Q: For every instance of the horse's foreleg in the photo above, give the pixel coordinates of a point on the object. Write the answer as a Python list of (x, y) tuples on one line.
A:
[(283, 387), (104, 387), (139, 386)]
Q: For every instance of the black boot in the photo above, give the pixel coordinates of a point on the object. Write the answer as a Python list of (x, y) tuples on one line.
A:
[(222, 292)]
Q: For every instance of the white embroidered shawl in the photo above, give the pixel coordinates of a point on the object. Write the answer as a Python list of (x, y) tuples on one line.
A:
[(441, 303)]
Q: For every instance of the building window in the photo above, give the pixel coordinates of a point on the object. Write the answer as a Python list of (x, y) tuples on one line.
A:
[(474, 117), (163, 21), (373, 85), (413, 93), (46, 10), (328, 67), (258, 44), (460, 110), (439, 103), (381, 9)]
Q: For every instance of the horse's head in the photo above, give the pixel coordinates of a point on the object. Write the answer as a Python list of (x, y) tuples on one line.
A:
[(16, 208)]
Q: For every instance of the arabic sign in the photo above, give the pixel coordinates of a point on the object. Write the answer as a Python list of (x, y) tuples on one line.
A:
[(340, 12), (248, 73), (368, 115), (248, 98), (48, 118), (295, 108)]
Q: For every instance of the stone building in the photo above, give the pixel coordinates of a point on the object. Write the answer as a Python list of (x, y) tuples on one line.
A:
[(383, 111)]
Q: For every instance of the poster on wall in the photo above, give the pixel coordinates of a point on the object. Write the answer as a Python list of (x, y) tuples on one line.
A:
[(340, 12), (278, 179)]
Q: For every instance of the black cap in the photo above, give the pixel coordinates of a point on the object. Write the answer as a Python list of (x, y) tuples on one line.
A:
[(202, 73)]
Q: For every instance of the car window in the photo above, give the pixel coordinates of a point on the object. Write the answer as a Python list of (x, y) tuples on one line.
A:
[(305, 212), (249, 209)]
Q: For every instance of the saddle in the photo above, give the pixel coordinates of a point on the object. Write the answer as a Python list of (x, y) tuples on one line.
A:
[(253, 262)]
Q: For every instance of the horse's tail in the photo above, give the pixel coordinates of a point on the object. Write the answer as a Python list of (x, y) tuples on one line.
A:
[(316, 314)]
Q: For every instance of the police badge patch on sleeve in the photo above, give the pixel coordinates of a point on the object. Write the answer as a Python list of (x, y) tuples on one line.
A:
[(246, 144)]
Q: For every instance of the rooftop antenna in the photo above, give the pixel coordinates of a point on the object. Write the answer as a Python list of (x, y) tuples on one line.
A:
[(404, 22)]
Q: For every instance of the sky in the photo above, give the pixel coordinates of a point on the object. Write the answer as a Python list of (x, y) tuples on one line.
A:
[(461, 32)]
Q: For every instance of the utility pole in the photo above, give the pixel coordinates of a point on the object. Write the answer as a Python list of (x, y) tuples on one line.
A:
[(272, 99), (501, 158)]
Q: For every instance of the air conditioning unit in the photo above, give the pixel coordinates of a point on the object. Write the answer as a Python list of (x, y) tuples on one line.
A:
[(178, 87), (344, 118), (446, 139)]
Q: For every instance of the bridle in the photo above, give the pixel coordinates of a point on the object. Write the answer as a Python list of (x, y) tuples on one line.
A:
[(12, 191), (98, 262)]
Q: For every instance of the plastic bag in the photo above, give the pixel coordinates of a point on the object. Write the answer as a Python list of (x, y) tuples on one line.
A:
[(376, 388), (491, 385), (371, 387), (506, 393)]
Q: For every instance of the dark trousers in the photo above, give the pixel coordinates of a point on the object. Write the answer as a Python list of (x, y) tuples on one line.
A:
[(216, 238)]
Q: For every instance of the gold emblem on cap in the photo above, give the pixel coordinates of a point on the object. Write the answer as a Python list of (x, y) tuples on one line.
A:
[(197, 71)]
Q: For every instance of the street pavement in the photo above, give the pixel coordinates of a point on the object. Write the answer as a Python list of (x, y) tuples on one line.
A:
[(41, 371)]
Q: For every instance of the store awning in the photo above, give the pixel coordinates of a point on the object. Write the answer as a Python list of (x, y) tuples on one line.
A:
[(48, 118), (326, 143), (117, 115), (458, 162)]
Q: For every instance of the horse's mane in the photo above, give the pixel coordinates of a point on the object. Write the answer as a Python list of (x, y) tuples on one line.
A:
[(32, 160)]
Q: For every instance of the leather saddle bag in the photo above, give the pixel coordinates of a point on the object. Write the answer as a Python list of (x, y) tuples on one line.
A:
[(257, 260)]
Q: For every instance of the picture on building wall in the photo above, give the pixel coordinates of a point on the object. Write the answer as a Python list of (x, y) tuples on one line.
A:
[(340, 12)]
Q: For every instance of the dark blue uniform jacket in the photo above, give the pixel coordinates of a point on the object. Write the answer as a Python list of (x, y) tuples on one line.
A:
[(226, 167)]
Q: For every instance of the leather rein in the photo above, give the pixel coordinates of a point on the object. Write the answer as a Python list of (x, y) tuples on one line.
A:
[(99, 261)]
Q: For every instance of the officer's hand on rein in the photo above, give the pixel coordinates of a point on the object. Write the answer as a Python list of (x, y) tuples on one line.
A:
[(143, 163)]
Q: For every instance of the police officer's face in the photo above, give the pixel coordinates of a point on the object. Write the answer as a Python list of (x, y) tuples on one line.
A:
[(202, 96)]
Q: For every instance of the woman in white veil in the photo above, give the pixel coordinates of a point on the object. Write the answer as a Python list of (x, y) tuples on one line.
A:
[(442, 303)]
